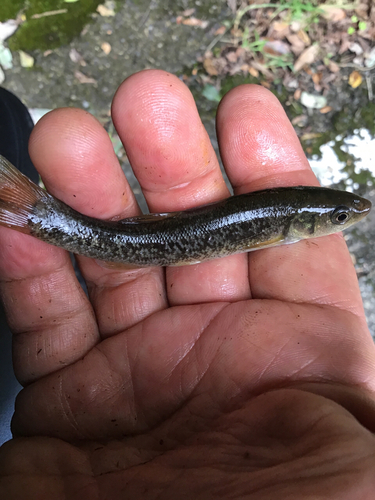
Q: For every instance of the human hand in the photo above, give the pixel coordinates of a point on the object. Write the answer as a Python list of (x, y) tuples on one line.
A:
[(251, 376)]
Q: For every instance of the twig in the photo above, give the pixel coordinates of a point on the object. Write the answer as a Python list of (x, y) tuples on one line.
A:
[(369, 87), (357, 67), (215, 40), (146, 14), (49, 13)]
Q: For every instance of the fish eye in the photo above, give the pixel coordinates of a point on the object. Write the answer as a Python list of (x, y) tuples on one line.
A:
[(340, 215)]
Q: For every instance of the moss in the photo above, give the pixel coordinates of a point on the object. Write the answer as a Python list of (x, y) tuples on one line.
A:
[(10, 8), (50, 31)]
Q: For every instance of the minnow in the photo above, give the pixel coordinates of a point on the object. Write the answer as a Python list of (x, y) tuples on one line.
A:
[(237, 224)]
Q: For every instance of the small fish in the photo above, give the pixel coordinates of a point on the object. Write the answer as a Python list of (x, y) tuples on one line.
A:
[(237, 224)]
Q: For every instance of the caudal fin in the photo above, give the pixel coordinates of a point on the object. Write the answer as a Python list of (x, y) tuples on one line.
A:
[(18, 197)]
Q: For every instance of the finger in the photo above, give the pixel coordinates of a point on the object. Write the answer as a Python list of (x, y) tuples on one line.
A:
[(76, 160), (43, 300), (260, 150), (177, 169)]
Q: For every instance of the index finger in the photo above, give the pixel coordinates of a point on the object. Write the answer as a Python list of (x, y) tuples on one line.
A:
[(262, 151)]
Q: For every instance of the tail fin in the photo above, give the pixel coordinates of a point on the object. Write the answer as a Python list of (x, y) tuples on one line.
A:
[(18, 197)]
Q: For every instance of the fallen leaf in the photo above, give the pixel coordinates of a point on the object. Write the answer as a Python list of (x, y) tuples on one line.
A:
[(334, 67), (313, 101), (193, 21), (75, 56), (47, 52), (179, 19), (297, 45), (106, 47), (297, 94), (276, 47), (304, 37), (254, 72), (210, 67), (231, 56), (188, 12), (325, 109), (317, 77), (356, 48), (211, 93), (26, 60), (220, 31), (8, 28), (280, 29), (308, 56), (105, 11), (355, 79), (332, 13), (232, 4), (310, 135), (83, 78), (299, 120), (6, 59)]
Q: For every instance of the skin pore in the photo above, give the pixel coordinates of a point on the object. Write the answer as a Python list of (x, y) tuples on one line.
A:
[(247, 377)]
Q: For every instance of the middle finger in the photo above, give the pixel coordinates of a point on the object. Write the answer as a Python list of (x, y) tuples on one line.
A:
[(174, 161)]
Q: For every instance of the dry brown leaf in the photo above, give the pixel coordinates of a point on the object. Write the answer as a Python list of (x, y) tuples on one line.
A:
[(254, 72), (220, 31), (188, 12), (76, 57), (279, 29), (83, 78), (362, 10), (332, 13), (325, 109), (317, 77), (308, 56), (210, 67), (231, 57), (106, 47), (334, 67), (105, 11), (355, 79), (310, 135), (276, 47), (297, 45), (297, 94), (232, 4), (299, 120), (193, 21), (302, 35), (179, 19)]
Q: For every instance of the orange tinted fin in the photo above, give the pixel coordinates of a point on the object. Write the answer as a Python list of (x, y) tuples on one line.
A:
[(120, 266), (277, 240), (18, 197)]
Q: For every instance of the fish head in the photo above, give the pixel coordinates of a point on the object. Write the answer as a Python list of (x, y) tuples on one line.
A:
[(327, 211)]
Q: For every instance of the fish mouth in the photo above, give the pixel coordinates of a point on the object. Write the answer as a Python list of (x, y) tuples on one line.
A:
[(362, 206)]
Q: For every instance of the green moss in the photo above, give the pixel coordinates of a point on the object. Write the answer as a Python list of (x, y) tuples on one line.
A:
[(50, 31), (10, 8)]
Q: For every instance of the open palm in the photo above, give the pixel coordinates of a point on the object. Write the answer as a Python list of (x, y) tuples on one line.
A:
[(251, 376)]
